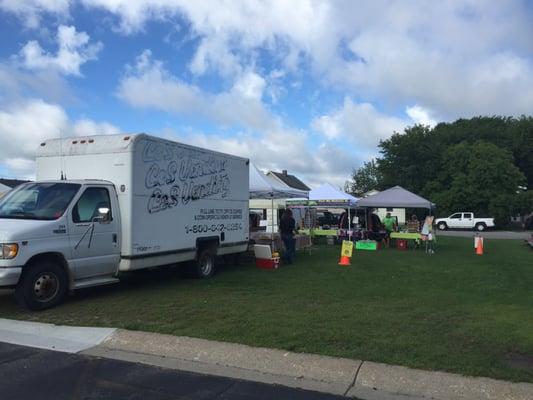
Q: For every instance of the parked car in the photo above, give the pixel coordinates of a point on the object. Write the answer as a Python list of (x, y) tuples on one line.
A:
[(327, 220), (464, 220), (130, 202)]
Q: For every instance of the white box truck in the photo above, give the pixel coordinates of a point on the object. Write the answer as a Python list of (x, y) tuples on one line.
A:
[(106, 204)]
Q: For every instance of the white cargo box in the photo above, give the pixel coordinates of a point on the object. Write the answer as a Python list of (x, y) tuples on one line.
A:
[(171, 195)]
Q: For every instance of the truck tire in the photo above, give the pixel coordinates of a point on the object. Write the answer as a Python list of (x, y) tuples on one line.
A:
[(480, 227), (442, 226), (205, 264), (43, 285)]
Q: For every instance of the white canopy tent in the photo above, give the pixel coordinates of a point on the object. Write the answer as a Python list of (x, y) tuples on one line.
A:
[(329, 194), (263, 188)]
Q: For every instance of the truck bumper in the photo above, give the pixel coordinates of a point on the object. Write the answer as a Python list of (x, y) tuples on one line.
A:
[(9, 276)]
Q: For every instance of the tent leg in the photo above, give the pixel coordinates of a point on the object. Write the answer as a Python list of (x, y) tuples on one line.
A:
[(366, 222), (349, 224), (272, 224)]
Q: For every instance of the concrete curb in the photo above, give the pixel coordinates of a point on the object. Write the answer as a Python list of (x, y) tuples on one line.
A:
[(68, 339), (305, 371), (436, 385), (352, 378)]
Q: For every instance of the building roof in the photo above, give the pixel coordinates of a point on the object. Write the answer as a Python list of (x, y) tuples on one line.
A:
[(290, 180), (11, 183), (263, 188)]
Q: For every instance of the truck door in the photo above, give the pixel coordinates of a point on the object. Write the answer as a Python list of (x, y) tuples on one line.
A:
[(94, 233), (467, 221), (455, 220)]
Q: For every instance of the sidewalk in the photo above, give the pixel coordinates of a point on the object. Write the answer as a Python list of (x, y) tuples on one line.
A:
[(351, 378)]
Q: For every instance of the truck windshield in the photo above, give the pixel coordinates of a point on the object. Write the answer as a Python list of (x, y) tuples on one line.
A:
[(41, 201)]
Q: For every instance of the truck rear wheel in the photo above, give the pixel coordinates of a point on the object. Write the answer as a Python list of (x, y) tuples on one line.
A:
[(480, 227), (205, 264), (42, 286)]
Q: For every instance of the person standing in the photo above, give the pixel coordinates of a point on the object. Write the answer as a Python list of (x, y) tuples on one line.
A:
[(287, 228), (390, 226)]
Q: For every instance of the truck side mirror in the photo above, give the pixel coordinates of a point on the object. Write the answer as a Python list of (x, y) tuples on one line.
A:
[(103, 215)]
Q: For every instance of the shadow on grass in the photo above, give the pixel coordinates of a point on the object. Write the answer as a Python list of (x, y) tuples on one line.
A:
[(174, 275)]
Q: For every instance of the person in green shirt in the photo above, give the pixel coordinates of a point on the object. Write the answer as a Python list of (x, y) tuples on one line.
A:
[(390, 226)]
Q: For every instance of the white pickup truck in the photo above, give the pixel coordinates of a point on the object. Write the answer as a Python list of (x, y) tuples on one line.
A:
[(464, 220)]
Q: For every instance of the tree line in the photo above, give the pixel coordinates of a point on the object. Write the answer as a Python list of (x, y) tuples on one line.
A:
[(482, 164)]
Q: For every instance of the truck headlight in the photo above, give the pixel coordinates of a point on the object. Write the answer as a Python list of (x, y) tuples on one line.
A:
[(9, 251)]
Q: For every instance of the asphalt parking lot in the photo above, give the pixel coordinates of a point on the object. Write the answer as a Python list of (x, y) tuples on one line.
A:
[(27, 373)]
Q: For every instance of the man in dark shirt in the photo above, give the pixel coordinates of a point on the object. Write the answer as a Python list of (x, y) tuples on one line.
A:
[(287, 226)]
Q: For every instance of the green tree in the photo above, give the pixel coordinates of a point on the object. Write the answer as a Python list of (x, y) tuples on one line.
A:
[(523, 204), (479, 177), (471, 164), (364, 179), (409, 159)]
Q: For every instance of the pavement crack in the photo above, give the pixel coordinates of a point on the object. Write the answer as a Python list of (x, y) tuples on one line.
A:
[(354, 379), (224, 390)]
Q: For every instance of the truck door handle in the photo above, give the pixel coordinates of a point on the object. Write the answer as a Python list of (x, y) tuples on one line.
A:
[(115, 238)]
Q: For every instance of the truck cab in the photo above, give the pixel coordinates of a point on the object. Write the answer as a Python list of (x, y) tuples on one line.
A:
[(57, 236)]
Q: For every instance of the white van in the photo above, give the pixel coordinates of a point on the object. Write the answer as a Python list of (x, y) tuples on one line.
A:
[(154, 202)]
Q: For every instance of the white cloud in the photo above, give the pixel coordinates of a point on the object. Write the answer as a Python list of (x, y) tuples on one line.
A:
[(22, 168), (149, 85), (74, 50), (88, 127), (16, 83), (25, 124), (420, 115), (427, 61), (30, 11), (458, 58), (250, 86), (358, 123), (264, 138), (280, 149)]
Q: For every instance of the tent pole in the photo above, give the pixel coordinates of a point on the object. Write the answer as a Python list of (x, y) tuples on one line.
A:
[(366, 221), (349, 223), (272, 219)]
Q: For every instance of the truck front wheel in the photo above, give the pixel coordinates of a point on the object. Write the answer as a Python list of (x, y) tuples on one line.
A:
[(442, 226), (205, 264), (480, 227), (41, 286)]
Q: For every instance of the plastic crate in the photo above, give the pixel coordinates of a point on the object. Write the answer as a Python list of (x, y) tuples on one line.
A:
[(371, 245), (267, 263), (401, 244)]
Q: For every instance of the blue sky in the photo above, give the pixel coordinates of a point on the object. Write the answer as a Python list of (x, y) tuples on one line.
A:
[(307, 86)]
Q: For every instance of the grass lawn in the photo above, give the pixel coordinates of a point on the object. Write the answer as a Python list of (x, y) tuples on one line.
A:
[(453, 311)]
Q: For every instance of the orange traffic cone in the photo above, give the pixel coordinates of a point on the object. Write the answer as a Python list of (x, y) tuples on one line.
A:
[(345, 260), (479, 247)]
